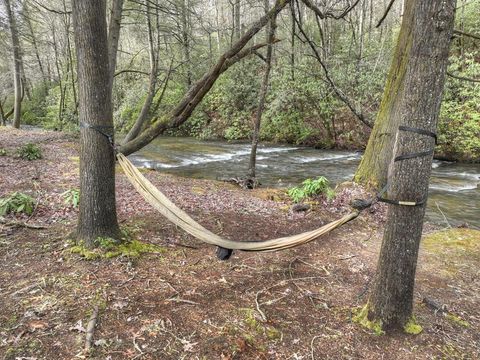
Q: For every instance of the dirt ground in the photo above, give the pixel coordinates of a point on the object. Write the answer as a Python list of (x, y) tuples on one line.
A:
[(179, 302)]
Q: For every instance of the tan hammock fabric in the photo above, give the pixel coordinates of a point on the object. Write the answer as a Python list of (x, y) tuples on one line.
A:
[(177, 216)]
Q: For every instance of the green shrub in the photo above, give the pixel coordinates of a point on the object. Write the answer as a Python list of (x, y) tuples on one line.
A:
[(459, 126), (71, 197), (310, 188), (3, 152), (30, 152), (16, 202)]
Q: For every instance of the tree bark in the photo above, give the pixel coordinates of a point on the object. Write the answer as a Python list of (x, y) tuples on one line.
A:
[(97, 217), (374, 165), (417, 105), (114, 27), (17, 64), (263, 94)]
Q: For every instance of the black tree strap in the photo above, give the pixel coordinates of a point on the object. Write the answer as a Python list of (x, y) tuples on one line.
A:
[(419, 131), (405, 157), (105, 130)]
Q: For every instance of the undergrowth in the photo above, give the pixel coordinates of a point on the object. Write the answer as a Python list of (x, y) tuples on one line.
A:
[(310, 188)]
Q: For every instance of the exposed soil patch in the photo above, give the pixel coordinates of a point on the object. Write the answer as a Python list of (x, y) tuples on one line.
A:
[(182, 303)]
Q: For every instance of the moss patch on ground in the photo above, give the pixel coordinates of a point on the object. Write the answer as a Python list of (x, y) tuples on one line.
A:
[(460, 240), (412, 327), (361, 318), (109, 248)]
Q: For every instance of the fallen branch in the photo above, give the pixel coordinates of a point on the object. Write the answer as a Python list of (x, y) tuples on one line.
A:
[(432, 304), (90, 329), (179, 300), (20, 224)]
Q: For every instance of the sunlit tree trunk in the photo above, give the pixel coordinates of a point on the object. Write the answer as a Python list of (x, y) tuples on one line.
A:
[(97, 216)]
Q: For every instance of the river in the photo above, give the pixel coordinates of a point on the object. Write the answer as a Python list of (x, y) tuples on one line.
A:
[(454, 195)]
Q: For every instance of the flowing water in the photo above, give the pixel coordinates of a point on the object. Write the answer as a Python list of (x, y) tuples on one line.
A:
[(454, 188)]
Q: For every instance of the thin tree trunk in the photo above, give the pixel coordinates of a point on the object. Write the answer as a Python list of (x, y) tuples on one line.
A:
[(17, 64), (263, 94), (238, 20), (186, 40), (97, 215), (2, 115), (217, 20), (26, 13), (66, 22), (418, 107), (114, 27), (57, 66), (292, 42), (142, 117)]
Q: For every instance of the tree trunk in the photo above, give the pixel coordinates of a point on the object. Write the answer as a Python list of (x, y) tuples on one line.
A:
[(114, 36), (374, 165), (17, 64), (238, 20), (417, 105), (186, 33), (98, 216), (263, 95), (142, 117), (26, 13)]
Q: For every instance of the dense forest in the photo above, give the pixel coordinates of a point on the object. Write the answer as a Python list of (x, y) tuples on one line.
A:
[(327, 99), (370, 109)]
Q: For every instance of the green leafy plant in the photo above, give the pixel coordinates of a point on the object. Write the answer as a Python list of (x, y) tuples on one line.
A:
[(310, 188), (30, 152), (71, 197), (3, 152), (16, 202)]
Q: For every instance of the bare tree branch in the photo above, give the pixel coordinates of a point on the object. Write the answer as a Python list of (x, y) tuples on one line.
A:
[(473, 36), (463, 78), (385, 14), (354, 108), (329, 14)]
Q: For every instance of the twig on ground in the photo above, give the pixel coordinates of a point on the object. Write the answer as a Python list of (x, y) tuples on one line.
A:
[(180, 300), (311, 345), (262, 314), (90, 329), (444, 217)]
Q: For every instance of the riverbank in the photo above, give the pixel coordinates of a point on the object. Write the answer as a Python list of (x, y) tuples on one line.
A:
[(179, 301)]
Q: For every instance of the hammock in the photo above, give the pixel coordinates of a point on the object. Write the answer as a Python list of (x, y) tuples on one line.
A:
[(180, 218)]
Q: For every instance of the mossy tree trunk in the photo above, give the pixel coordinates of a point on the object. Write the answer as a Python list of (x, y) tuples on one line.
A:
[(373, 168), (417, 105), (97, 217)]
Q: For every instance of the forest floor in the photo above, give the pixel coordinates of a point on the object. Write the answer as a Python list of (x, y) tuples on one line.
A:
[(178, 301)]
